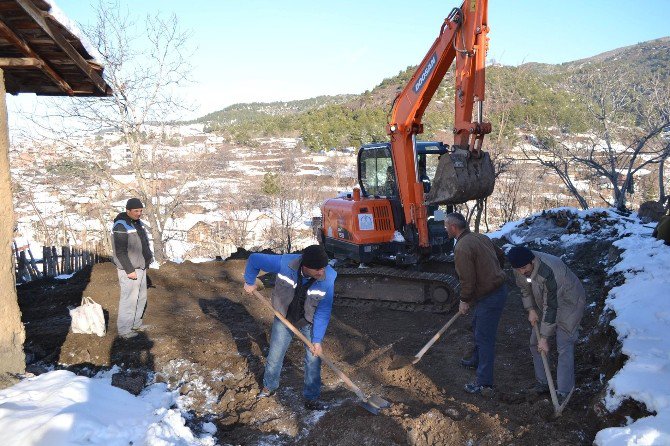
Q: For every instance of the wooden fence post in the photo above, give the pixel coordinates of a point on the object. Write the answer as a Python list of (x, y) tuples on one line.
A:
[(45, 261), (33, 263), (65, 250), (22, 269), (54, 258)]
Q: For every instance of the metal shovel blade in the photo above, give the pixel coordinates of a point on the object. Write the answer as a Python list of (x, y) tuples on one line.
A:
[(378, 401), (374, 404), (369, 407), (400, 362), (559, 410)]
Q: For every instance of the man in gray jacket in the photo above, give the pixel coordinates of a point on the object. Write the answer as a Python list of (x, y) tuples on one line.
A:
[(132, 256), (554, 297)]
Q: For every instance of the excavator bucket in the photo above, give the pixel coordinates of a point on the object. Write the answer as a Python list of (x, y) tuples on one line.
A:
[(460, 177)]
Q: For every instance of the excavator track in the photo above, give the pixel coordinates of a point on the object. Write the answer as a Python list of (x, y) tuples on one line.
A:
[(409, 307), (396, 289)]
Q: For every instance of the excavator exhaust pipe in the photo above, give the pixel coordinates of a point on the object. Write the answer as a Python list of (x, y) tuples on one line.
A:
[(460, 177)]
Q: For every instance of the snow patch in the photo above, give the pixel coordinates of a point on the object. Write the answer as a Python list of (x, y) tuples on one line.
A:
[(60, 408)]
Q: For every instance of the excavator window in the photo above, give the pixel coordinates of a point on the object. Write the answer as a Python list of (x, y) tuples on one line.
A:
[(377, 176), (427, 165)]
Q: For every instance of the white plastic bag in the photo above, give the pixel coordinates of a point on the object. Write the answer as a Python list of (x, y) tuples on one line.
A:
[(88, 318)]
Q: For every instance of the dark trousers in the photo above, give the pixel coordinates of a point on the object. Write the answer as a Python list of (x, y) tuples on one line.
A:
[(485, 324)]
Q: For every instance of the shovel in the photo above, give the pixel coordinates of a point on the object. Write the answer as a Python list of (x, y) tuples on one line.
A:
[(400, 362), (558, 408), (372, 404)]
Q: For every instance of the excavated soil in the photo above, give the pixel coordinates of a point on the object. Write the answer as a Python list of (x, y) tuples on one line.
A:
[(208, 339)]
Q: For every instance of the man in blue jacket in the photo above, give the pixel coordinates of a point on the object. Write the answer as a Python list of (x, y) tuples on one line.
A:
[(303, 293)]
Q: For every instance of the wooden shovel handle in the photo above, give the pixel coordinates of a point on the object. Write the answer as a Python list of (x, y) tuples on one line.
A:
[(437, 335), (354, 388), (547, 371)]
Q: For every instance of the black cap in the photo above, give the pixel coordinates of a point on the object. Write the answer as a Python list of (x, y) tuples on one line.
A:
[(134, 203), (519, 256), (314, 257)]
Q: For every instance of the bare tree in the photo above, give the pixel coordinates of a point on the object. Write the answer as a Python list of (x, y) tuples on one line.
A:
[(146, 63), (242, 212), (507, 195), (616, 96), (502, 97), (662, 197), (292, 198), (557, 156)]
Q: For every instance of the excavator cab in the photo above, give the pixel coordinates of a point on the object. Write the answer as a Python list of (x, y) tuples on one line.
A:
[(368, 226), (376, 173)]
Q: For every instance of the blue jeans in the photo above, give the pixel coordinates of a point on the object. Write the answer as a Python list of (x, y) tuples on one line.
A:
[(280, 339), (485, 322)]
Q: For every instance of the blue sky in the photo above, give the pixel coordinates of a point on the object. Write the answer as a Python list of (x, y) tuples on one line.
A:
[(267, 50)]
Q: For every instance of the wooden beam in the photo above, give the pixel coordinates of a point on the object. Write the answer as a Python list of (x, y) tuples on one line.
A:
[(40, 17), (24, 62), (18, 42)]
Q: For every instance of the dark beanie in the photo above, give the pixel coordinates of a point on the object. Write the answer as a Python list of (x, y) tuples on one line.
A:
[(314, 257), (134, 203), (520, 256)]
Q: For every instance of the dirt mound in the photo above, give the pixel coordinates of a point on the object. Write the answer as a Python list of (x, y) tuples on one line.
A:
[(207, 339)]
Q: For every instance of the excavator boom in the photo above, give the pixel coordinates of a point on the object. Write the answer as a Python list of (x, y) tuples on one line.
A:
[(463, 36)]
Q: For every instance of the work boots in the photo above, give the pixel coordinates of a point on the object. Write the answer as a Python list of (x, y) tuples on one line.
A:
[(470, 363), (478, 389), (538, 388), (265, 393), (315, 405)]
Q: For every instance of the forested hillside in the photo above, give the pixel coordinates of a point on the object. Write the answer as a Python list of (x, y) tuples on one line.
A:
[(531, 94)]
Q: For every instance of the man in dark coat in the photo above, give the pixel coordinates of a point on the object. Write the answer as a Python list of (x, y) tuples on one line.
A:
[(132, 256), (479, 268)]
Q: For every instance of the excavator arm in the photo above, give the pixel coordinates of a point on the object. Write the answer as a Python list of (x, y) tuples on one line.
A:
[(463, 37)]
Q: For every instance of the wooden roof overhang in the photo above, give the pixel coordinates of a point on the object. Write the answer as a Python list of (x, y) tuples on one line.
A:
[(40, 55)]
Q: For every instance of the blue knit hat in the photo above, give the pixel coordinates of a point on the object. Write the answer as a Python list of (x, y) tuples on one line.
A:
[(520, 256)]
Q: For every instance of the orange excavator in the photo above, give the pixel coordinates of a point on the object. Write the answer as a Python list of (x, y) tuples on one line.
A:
[(389, 233)]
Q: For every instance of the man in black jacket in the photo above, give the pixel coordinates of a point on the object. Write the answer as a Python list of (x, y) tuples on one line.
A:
[(132, 256)]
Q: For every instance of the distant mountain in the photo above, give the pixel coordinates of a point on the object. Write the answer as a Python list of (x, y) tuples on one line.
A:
[(652, 56), (240, 113), (543, 93)]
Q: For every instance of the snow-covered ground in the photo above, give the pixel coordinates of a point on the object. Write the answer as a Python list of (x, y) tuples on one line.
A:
[(642, 322), (59, 408)]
